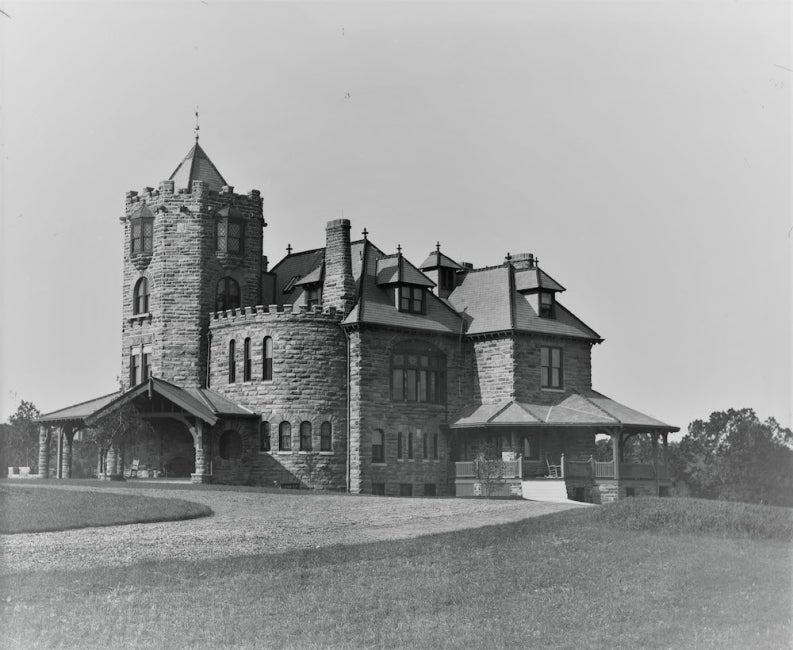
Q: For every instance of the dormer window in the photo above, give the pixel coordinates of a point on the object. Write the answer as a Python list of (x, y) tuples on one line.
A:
[(547, 304), (412, 299), (447, 279), (314, 295)]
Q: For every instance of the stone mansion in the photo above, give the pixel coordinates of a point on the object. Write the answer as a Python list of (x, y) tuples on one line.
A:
[(346, 367)]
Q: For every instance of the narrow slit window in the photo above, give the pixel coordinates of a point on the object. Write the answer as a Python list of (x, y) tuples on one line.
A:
[(246, 360), (267, 358), (232, 362)]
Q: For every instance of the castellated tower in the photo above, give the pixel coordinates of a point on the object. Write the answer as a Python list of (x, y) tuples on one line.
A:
[(191, 247)]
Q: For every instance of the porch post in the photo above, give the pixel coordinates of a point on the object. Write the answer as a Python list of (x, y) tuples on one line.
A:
[(59, 459), (44, 451), (110, 460), (616, 452), (664, 436), (203, 454), (66, 452)]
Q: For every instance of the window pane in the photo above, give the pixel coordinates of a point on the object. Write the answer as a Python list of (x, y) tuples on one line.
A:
[(556, 355), (148, 235), (398, 390), (285, 436), (413, 360), (305, 436), (398, 360), (432, 394), (544, 376), (325, 437), (422, 387), (411, 386), (543, 356), (555, 379)]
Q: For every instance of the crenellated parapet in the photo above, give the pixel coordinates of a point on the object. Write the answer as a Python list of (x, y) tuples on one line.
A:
[(268, 314), (167, 197)]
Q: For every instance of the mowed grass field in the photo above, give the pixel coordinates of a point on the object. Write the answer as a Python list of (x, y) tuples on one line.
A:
[(40, 509), (644, 573)]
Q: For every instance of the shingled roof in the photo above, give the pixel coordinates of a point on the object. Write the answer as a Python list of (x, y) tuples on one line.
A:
[(490, 302), (579, 409), (197, 166)]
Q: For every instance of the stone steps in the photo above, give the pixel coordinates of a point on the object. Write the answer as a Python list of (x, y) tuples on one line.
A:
[(545, 489)]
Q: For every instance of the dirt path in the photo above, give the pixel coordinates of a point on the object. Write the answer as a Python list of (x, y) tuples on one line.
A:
[(251, 523)]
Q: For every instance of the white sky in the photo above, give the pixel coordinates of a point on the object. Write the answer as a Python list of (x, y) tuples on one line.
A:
[(641, 150)]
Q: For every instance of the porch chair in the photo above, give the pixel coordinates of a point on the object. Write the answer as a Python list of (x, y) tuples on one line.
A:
[(133, 472), (554, 471)]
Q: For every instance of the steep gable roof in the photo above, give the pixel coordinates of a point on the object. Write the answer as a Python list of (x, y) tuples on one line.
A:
[(436, 259), (197, 166), (535, 278), (395, 269)]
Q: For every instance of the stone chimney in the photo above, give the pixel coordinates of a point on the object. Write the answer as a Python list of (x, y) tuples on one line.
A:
[(338, 289), (523, 261)]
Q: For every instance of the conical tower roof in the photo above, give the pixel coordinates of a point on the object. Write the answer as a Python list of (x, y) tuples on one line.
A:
[(197, 166)]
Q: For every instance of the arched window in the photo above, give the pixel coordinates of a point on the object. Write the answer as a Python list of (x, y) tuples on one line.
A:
[(232, 361), (230, 445), (378, 446), (264, 436), (326, 436), (418, 374), (285, 436), (141, 236), (140, 297), (305, 436), (267, 358), (246, 360), (228, 294)]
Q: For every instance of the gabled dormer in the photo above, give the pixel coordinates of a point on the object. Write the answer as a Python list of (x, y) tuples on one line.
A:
[(442, 270), (531, 281), (410, 285)]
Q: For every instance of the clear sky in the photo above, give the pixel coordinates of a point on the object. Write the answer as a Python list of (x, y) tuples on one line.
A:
[(641, 150)]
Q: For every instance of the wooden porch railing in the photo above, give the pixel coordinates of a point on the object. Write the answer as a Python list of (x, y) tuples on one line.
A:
[(509, 469)]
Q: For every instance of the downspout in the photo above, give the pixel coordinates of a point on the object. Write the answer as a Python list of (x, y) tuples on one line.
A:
[(349, 411)]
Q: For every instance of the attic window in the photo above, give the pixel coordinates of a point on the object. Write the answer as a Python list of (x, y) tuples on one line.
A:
[(547, 304), (291, 284), (314, 295), (412, 299)]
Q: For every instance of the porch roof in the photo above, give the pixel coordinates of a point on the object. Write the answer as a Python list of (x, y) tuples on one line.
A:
[(578, 409), (202, 403)]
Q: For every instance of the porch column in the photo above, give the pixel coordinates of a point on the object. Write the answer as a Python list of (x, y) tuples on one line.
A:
[(59, 459), (203, 454), (119, 468), (616, 451), (110, 461), (44, 451), (664, 436), (66, 452)]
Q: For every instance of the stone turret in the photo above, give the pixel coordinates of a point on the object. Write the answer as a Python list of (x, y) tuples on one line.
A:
[(190, 247), (338, 289)]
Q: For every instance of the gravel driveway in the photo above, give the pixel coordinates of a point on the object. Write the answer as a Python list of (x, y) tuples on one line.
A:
[(252, 523)]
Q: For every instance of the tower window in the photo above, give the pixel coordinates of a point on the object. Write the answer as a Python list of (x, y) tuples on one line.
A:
[(447, 279), (267, 359), (232, 361), (264, 436), (139, 364), (246, 360), (142, 235), (305, 436), (140, 297), (228, 294), (229, 235), (285, 436), (326, 437)]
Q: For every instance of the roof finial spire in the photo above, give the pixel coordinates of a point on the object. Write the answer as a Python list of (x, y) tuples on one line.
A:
[(399, 249), (289, 249), (437, 247), (365, 234), (197, 128)]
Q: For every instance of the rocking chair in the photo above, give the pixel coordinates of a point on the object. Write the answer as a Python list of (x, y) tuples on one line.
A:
[(554, 471)]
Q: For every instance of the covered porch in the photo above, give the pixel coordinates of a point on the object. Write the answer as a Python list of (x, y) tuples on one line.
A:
[(181, 419), (497, 448)]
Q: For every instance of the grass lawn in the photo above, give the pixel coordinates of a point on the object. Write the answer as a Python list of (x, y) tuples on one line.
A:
[(595, 577), (40, 509)]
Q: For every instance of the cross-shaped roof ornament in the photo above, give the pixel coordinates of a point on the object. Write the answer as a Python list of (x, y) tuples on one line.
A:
[(289, 249), (399, 249), (437, 247), (508, 258), (365, 234), (197, 128)]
